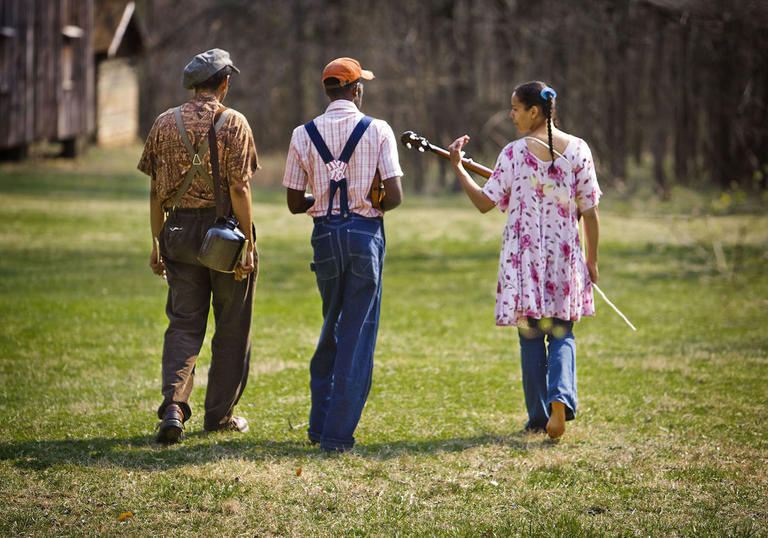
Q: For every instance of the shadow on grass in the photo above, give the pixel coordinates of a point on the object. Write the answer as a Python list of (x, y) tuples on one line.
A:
[(74, 185), (141, 452)]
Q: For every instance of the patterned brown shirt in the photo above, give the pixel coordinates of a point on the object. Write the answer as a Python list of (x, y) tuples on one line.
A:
[(166, 159)]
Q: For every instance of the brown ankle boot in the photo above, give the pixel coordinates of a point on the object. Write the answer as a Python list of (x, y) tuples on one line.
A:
[(171, 429)]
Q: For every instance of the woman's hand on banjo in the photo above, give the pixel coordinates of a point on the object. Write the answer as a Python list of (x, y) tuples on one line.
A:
[(473, 190), (456, 149)]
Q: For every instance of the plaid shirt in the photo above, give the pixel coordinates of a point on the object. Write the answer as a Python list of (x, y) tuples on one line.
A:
[(167, 160), (376, 149)]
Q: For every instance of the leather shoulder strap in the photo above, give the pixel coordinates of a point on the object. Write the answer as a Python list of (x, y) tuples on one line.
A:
[(223, 114), (221, 191)]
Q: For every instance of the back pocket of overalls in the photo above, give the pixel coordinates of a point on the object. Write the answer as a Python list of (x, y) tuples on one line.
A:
[(364, 252), (325, 264), (178, 242)]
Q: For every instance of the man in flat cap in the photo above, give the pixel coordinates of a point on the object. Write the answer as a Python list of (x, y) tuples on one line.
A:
[(340, 155), (182, 208)]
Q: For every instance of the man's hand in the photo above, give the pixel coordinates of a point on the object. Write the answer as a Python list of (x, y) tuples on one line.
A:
[(156, 262), (251, 265), (298, 201)]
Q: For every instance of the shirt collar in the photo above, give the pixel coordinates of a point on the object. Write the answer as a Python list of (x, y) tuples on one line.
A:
[(343, 106), (205, 99)]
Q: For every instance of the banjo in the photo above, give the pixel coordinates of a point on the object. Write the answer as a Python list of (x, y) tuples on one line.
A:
[(412, 140)]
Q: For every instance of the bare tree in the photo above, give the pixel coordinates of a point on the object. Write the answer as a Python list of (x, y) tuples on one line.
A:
[(681, 81)]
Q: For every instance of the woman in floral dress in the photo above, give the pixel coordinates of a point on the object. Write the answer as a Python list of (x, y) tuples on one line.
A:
[(545, 182)]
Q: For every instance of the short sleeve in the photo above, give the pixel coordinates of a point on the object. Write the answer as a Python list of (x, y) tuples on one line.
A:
[(389, 162), (147, 160), (499, 185), (240, 157), (585, 179), (295, 176)]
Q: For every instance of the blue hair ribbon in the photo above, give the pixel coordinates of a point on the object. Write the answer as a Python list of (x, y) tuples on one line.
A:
[(548, 92)]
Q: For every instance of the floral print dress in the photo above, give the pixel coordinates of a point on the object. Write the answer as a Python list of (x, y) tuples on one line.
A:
[(542, 272)]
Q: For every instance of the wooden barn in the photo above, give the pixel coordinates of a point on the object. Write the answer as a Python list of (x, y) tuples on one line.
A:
[(46, 73), (68, 73), (117, 42)]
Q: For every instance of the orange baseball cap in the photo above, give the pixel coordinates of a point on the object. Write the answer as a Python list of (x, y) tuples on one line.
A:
[(346, 70)]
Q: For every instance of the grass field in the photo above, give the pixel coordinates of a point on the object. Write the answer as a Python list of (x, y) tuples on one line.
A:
[(670, 438)]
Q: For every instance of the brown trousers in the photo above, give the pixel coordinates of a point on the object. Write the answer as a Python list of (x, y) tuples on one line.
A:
[(190, 288)]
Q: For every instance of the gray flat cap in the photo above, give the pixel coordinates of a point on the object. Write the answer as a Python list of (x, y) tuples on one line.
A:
[(205, 65)]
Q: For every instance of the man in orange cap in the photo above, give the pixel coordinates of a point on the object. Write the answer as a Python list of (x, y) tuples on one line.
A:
[(339, 155)]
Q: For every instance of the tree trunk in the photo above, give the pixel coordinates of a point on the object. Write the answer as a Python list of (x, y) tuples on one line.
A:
[(298, 56), (683, 137), (659, 100)]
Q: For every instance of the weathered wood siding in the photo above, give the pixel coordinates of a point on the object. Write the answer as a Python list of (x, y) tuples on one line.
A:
[(118, 102), (76, 70), (47, 59), (16, 73)]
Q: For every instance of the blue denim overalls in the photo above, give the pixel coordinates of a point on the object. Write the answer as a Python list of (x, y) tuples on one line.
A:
[(348, 258)]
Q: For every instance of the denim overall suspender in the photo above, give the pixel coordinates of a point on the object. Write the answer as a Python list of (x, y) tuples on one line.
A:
[(337, 168)]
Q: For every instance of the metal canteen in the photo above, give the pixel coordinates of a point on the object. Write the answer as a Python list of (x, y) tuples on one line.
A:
[(222, 246)]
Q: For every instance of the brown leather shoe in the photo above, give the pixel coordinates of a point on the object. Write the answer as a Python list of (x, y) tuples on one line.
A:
[(234, 424), (171, 429)]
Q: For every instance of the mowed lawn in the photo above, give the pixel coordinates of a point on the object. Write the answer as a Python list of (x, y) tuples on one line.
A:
[(670, 437)]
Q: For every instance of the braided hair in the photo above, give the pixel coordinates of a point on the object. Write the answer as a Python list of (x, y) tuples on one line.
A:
[(537, 93)]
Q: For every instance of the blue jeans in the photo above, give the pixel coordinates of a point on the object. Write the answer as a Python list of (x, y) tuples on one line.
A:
[(348, 259), (549, 373)]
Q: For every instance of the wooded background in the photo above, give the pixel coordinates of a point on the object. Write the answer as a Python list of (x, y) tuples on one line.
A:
[(677, 86)]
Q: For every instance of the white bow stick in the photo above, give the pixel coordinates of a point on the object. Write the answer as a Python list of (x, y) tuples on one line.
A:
[(583, 253)]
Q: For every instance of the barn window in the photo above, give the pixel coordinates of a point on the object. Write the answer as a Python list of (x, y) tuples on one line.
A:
[(72, 35)]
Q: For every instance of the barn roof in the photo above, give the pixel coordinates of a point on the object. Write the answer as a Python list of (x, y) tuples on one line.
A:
[(116, 29)]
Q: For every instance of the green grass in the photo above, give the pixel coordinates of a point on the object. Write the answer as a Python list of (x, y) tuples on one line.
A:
[(670, 437)]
